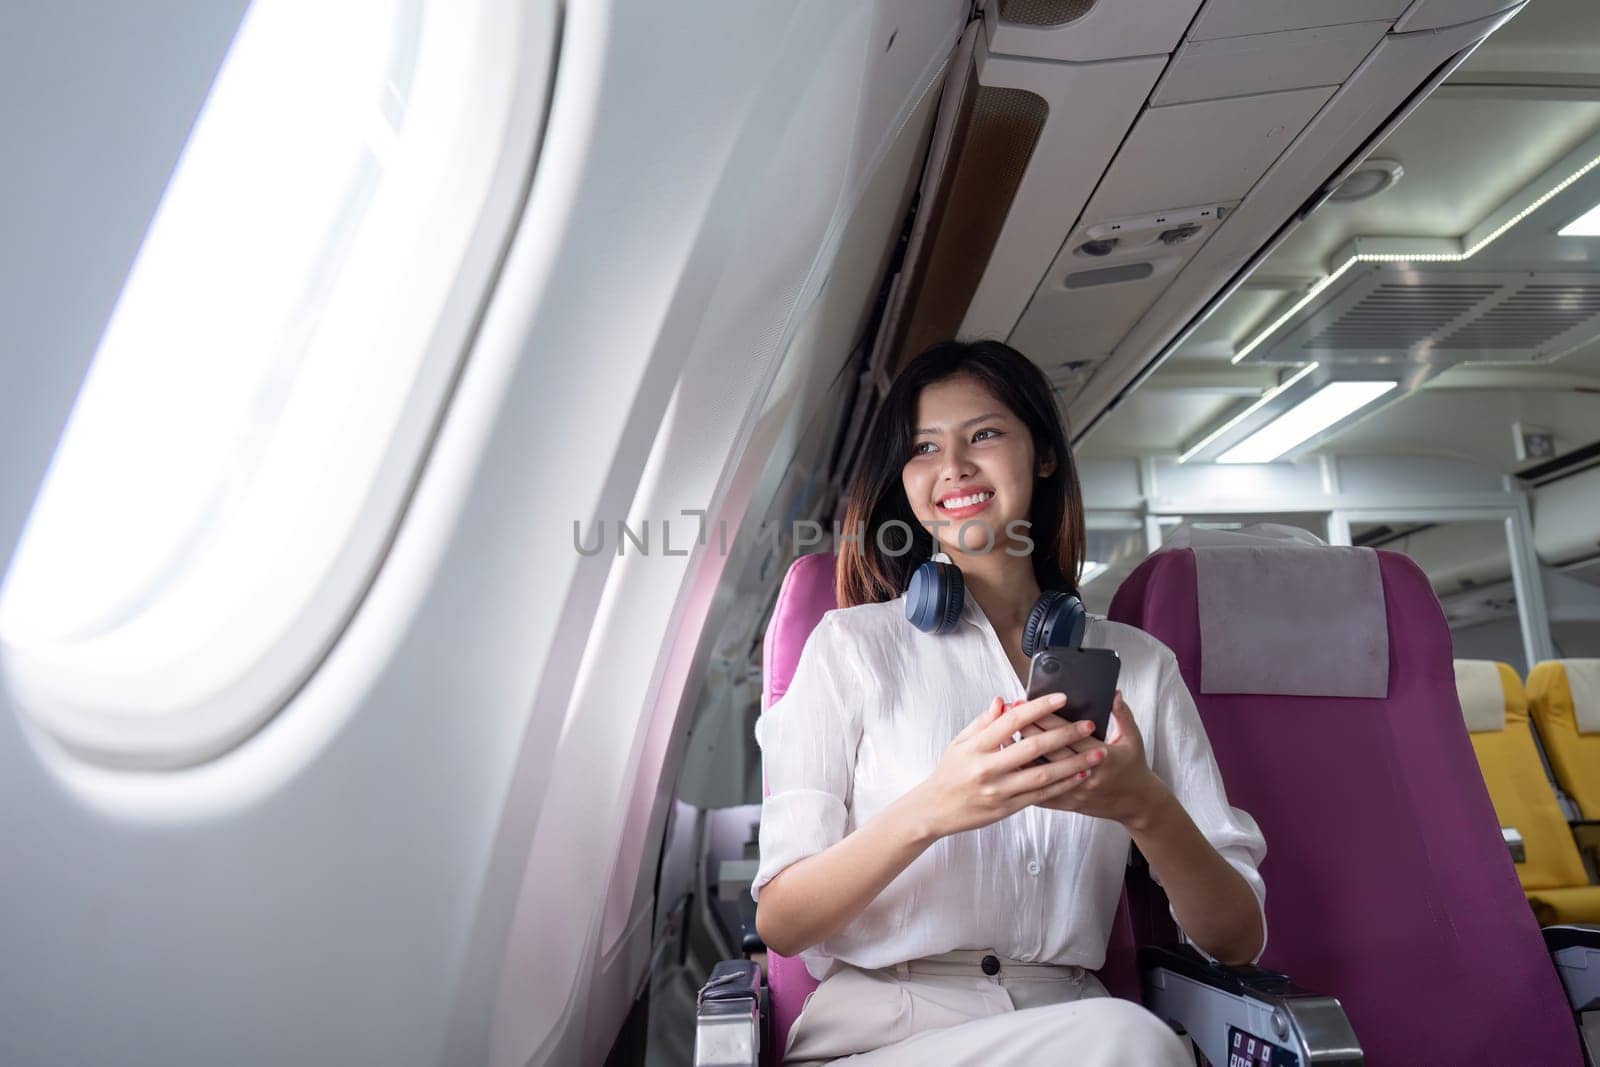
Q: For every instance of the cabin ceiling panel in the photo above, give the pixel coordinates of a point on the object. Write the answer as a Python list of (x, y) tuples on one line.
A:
[(1151, 418), (1478, 152), (1547, 37), (1451, 182), (1379, 90), (1240, 316), (1453, 422), (1238, 18)]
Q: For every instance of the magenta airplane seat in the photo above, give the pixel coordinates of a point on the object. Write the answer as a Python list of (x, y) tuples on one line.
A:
[(1389, 885), (806, 595)]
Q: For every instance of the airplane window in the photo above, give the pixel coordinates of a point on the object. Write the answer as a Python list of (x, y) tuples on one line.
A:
[(238, 453)]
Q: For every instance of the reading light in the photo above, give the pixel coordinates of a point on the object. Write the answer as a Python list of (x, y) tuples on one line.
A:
[(1311, 416), (1585, 225)]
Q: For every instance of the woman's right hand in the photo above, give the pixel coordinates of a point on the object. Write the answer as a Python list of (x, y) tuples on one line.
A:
[(978, 782)]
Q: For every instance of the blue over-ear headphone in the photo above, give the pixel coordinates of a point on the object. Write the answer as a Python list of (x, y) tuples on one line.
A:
[(936, 594)]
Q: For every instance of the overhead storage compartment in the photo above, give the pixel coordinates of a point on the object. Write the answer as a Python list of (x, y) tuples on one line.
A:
[(1266, 62), (1236, 18), (1202, 152), (1438, 14)]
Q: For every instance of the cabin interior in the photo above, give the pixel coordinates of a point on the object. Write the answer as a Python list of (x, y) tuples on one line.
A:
[(357, 746)]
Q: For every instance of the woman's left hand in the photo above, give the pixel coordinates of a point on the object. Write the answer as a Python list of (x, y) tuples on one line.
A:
[(1121, 785)]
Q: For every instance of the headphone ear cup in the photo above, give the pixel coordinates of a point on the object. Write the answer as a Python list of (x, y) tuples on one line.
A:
[(1056, 621), (1071, 622), (1032, 639), (935, 597)]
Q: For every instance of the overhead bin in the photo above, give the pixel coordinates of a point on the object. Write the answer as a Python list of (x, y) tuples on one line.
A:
[(1437, 14), (1266, 62), (1202, 152), (1236, 18)]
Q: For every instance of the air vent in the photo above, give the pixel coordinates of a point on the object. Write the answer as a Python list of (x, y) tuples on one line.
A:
[(1529, 318), (1400, 316), (1396, 312), (1043, 12), (1128, 272)]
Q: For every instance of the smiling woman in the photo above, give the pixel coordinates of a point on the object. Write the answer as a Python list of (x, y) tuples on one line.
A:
[(927, 478), (903, 837)]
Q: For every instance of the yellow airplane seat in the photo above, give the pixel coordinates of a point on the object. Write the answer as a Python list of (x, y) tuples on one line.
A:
[(1547, 860), (1564, 700)]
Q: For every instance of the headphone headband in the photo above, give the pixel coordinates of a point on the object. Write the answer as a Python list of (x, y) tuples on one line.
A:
[(936, 595)]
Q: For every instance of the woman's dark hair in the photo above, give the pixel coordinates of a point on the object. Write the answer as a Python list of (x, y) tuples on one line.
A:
[(867, 574)]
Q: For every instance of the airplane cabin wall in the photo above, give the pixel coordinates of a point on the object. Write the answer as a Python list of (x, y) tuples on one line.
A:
[(432, 853)]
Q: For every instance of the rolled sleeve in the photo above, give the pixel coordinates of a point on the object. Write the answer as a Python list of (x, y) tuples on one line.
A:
[(808, 741), (1181, 756)]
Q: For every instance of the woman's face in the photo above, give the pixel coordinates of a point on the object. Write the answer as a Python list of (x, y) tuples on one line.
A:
[(972, 461)]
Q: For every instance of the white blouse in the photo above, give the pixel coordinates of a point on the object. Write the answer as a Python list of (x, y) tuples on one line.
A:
[(873, 706)]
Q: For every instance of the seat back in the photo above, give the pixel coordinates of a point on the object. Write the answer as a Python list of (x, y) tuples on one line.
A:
[(1388, 882), (1496, 714), (1564, 700), (807, 593)]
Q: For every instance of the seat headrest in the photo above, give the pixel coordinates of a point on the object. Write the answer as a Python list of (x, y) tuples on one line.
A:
[(806, 595), (1283, 613), (1583, 682), (1482, 694)]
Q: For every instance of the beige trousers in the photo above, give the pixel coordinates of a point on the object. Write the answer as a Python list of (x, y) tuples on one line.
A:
[(946, 1009)]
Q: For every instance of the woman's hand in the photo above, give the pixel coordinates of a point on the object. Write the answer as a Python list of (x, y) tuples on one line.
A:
[(984, 777), (1122, 786)]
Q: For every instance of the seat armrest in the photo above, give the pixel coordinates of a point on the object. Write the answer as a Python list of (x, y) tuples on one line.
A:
[(1575, 950), (729, 1016), (1221, 1007)]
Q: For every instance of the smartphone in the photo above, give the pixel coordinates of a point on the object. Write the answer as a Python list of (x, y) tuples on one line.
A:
[(1088, 677)]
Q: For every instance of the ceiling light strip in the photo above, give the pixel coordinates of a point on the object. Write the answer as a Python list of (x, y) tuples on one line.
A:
[(1311, 294), (1327, 407), (1413, 257), (1266, 398)]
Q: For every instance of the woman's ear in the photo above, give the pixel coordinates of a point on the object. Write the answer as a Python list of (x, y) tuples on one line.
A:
[(1047, 465)]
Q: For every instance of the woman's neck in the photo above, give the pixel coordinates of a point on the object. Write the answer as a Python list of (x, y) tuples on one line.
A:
[(1004, 587)]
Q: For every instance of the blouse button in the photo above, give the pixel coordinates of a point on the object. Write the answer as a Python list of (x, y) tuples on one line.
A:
[(1033, 867), (991, 965)]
